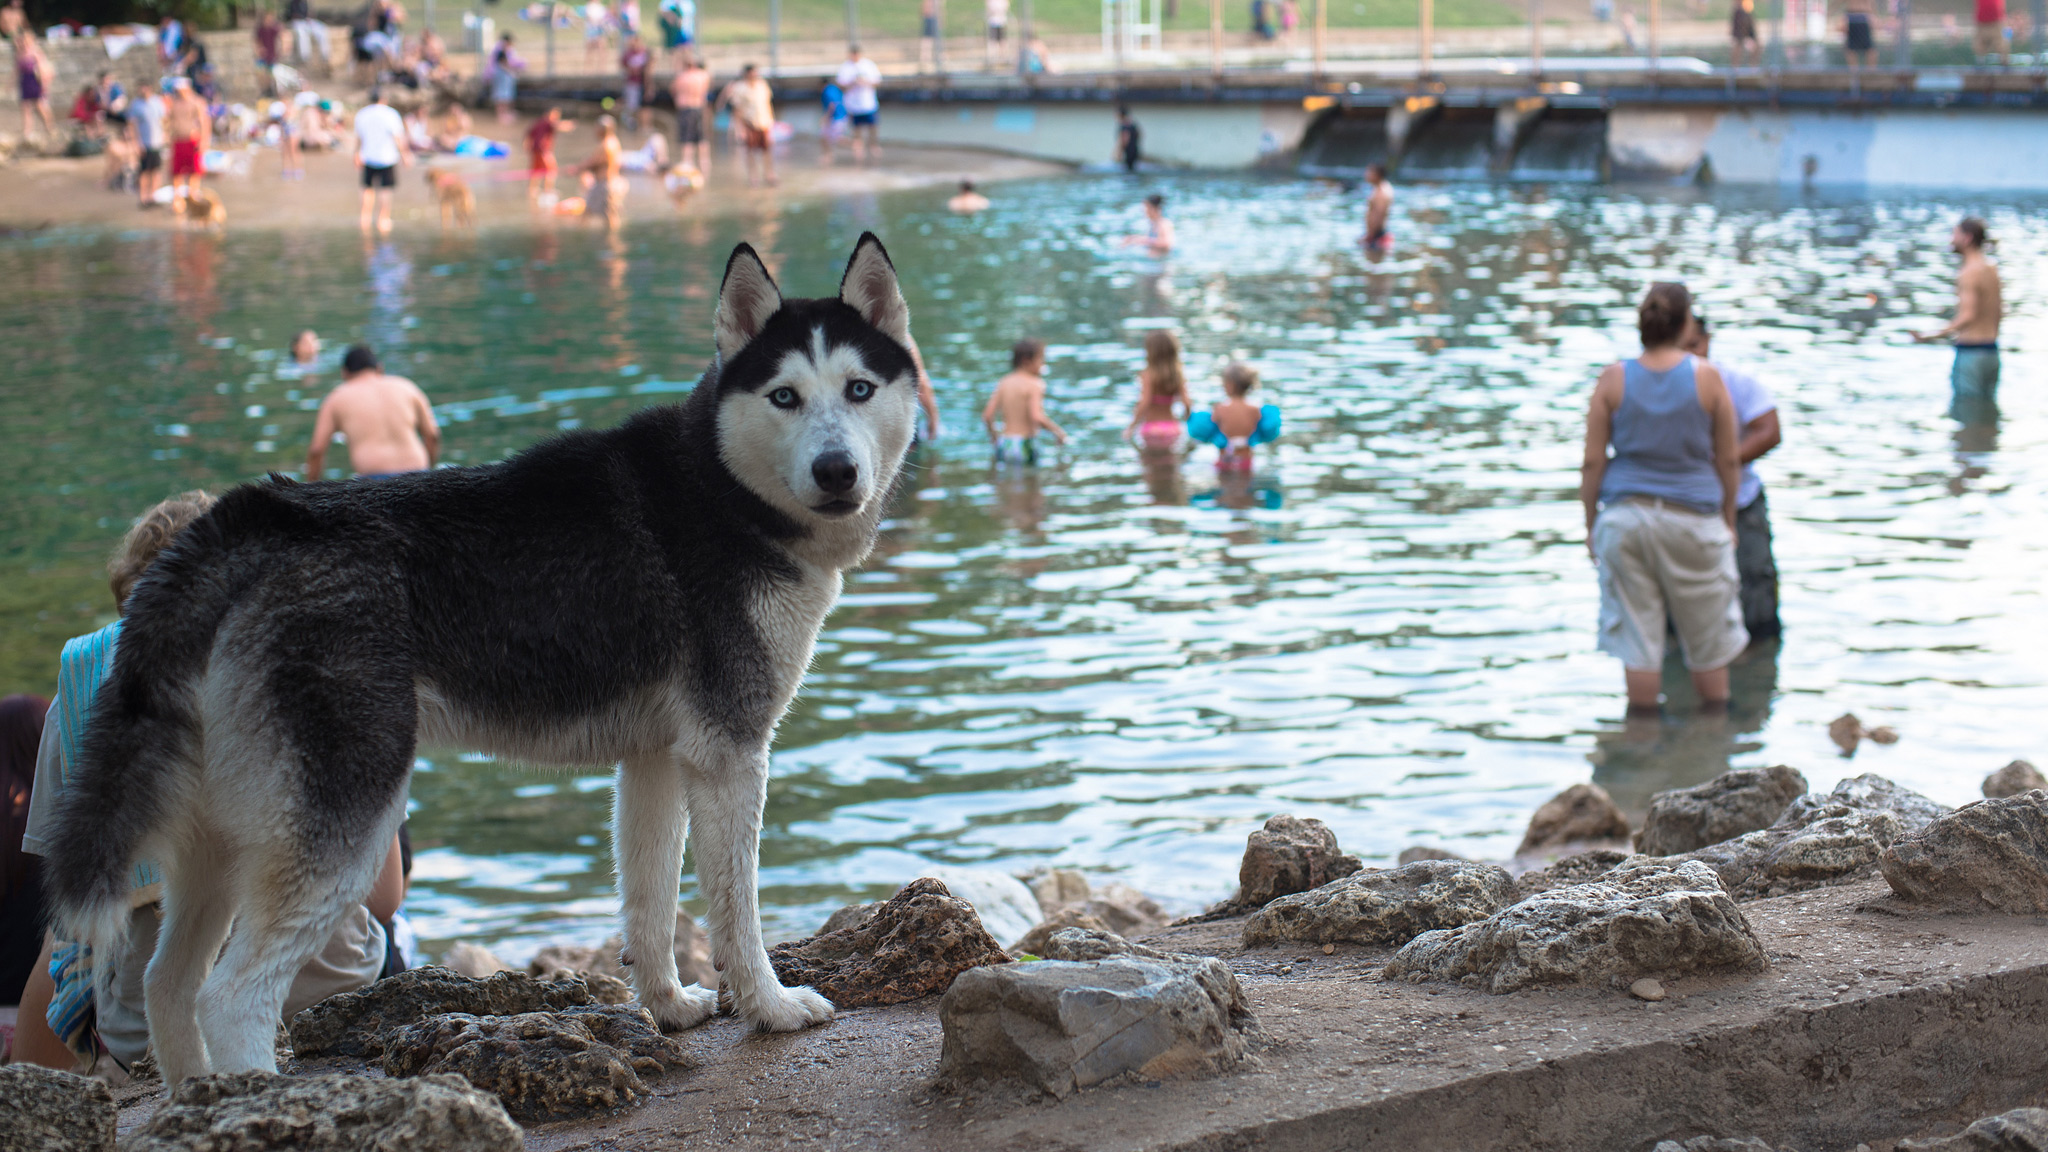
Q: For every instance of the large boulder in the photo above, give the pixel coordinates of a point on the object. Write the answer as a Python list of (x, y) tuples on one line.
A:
[(2020, 1130), (1991, 856), (1385, 907), (1582, 813), (543, 1065), (258, 1111), (1001, 901), (354, 1023), (2013, 779), (1645, 918), (1062, 1025), (43, 1110), (1568, 871), (1290, 854), (1727, 806), (912, 946), (1868, 792), (692, 952)]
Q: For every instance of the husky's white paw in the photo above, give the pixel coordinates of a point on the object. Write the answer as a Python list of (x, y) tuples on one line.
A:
[(679, 1007), (779, 1009)]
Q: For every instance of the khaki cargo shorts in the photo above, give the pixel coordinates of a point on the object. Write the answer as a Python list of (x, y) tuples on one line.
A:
[(1660, 561)]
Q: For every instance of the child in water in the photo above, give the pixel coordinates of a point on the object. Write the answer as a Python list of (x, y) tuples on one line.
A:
[(1234, 425), (1020, 400), (1162, 393)]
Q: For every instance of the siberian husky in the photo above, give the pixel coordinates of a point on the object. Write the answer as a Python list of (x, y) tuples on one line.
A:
[(646, 596)]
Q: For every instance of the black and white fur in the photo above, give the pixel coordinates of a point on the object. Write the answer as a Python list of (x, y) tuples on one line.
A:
[(646, 596)]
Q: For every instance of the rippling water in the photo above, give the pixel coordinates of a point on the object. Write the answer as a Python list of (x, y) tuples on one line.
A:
[(1122, 664)]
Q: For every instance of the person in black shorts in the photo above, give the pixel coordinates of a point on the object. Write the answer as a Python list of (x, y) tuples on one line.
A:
[(1128, 149), (1858, 41)]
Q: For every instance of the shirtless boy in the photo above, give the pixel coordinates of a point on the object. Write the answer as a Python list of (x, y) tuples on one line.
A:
[(967, 199), (1974, 378), (190, 130), (1020, 400), (691, 88), (1377, 208), (386, 420)]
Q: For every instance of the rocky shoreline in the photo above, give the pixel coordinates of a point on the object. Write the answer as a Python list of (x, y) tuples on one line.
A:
[(1748, 913)]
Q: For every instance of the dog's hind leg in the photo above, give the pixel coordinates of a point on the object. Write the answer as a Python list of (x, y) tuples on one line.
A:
[(648, 819), (726, 796), (198, 906)]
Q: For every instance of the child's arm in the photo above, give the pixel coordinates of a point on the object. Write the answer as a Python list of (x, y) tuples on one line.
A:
[(988, 414), (1144, 400), (1040, 420)]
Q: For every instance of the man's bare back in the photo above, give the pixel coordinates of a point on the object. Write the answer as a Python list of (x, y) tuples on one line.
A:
[(1979, 301), (386, 420), (1019, 401), (691, 87)]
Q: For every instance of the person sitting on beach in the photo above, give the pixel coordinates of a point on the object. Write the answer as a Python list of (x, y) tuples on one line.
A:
[(1162, 393), (386, 420), (967, 199), (1235, 426), (1020, 400), (1157, 238)]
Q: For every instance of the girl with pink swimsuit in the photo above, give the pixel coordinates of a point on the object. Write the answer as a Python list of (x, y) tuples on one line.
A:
[(1162, 394)]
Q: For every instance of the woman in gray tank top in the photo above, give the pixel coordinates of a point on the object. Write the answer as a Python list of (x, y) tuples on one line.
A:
[(1660, 507)]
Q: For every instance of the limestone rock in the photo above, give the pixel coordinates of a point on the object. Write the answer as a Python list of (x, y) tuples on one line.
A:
[(1063, 1025), (1078, 944), (1001, 901), (1580, 813), (1831, 845), (851, 916), (1744, 800), (2020, 1130), (1568, 871), (692, 951), (543, 1065), (1055, 888), (258, 1111), (1124, 909), (1414, 852), (1642, 919), (1385, 907), (475, 960), (43, 1110), (1034, 941), (1064, 894), (1290, 854), (353, 1023), (1869, 792), (2013, 779), (1846, 731), (1991, 856), (913, 946), (1714, 1144)]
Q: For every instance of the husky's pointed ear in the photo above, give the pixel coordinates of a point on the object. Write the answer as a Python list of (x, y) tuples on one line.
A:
[(746, 299), (869, 287)]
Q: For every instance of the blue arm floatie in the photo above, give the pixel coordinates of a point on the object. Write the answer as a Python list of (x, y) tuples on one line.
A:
[(1269, 426), (1202, 426)]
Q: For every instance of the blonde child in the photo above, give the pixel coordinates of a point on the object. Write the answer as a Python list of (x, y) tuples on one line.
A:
[(1235, 426), (1162, 393), (1020, 400)]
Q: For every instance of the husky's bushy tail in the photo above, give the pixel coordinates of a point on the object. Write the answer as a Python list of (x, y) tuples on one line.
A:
[(141, 747)]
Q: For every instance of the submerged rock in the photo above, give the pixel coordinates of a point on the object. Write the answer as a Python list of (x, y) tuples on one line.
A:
[(44, 1110), (354, 1023), (1569, 871), (258, 1111), (1643, 919), (1991, 856), (1063, 1025), (1580, 813), (543, 1065), (2020, 1130), (1744, 800), (1385, 907), (2013, 779), (692, 951), (913, 946)]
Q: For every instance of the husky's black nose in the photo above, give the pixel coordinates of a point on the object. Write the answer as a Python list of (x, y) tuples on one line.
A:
[(835, 472)]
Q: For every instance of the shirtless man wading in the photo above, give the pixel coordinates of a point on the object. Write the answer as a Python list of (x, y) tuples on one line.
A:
[(691, 88), (1377, 208), (386, 420), (1979, 304)]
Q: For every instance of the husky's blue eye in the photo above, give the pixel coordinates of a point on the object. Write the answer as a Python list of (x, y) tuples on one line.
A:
[(859, 390), (784, 398)]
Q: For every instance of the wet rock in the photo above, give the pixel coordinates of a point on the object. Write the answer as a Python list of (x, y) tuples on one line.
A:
[(1004, 905), (913, 946), (1055, 888), (1869, 792), (475, 960), (1744, 800), (1991, 856), (257, 1111), (1034, 941), (1385, 907), (543, 1065), (851, 916), (1414, 852), (2020, 1130), (1642, 919), (44, 1110), (1290, 854), (1569, 871), (1579, 814), (1063, 1025), (354, 1023), (2013, 779), (1831, 845), (692, 951)]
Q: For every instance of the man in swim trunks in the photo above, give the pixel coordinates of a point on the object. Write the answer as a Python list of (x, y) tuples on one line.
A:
[(1020, 400), (1378, 206), (691, 88), (753, 120), (190, 130), (1973, 380), (540, 153), (1858, 43), (386, 420)]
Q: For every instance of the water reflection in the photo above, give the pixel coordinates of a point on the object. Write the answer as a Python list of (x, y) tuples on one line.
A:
[(1683, 745)]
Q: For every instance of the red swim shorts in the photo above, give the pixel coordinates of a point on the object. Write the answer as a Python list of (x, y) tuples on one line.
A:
[(185, 158)]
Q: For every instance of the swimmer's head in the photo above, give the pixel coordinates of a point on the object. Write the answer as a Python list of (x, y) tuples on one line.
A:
[(1663, 314), (746, 71), (1970, 235), (1027, 353), (1374, 173), (306, 346), (1155, 205), (967, 186), (358, 360), (1239, 378), (1697, 339), (153, 531)]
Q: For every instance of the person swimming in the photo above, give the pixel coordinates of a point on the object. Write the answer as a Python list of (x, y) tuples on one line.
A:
[(1162, 393), (1235, 426)]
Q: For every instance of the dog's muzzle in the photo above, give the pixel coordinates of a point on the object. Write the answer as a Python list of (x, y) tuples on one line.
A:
[(836, 474)]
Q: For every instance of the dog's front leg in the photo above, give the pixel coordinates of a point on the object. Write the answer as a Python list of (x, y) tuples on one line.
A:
[(648, 818), (727, 795)]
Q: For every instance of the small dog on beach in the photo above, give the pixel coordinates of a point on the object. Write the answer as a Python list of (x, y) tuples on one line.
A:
[(456, 198), (201, 206), (646, 596)]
